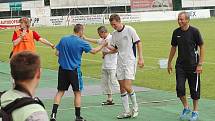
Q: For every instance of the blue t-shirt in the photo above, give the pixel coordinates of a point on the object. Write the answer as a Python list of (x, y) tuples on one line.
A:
[(70, 51)]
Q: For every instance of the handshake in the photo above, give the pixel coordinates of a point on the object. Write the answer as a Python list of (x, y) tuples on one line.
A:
[(104, 42)]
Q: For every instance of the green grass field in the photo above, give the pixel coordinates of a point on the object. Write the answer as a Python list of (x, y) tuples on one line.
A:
[(156, 38)]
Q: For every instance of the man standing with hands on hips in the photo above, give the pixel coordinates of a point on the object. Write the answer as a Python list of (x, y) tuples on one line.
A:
[(189, 63)]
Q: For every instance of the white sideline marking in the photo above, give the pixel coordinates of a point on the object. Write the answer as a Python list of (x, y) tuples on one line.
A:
[(119, 104)]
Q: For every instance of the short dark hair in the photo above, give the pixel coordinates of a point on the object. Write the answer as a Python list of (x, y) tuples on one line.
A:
[(24, 65), (78, 28), (102, 29), (115, 17)]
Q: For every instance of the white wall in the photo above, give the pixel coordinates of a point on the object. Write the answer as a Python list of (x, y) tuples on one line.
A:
[(27, 5), (103, 18), (125, 17), (4, 7), (86, 3), (197, 3), (36, 7)]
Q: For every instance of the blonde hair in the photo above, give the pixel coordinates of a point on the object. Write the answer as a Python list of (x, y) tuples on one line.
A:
[(25, 20)]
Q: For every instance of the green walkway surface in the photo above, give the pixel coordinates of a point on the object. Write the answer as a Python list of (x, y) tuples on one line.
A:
[(154, 105)]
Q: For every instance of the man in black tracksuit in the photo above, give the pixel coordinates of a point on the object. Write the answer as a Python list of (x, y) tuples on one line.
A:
[(189, 63)]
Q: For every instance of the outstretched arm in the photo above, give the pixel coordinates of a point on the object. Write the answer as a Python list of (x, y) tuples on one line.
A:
[(90, 40), (99, 48), (46, 42), (96, 50)]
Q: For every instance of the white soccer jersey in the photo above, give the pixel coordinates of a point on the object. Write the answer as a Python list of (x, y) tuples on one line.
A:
[(125, 41), (110, 60)]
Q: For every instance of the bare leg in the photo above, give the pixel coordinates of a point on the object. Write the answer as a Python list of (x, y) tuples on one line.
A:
[(195, 105), (57, 100), (77, 99), (184, 102), (58, 96), (77, 104)]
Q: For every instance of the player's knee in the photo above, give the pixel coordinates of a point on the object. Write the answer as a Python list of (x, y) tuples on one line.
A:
[(60, 93), (77, 93), (195, 95), (122, 90), (180, 93)]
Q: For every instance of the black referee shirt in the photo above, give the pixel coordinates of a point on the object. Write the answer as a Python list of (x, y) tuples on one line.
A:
[(187, 42)]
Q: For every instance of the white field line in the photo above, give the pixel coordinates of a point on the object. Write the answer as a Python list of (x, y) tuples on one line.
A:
[(118, 104)]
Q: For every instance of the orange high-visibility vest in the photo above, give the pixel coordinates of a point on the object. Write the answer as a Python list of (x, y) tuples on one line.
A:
[(26, 44)]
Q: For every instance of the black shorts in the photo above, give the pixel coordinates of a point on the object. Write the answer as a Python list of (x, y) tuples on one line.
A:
[(193, 81), (69, 77)]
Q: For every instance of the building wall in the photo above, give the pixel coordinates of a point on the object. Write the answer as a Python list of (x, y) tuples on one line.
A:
[(197, 3), (86, 3)]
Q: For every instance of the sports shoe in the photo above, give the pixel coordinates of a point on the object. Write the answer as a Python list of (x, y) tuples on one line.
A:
[(134, 113), (79, 119), (124, 115), (184, 114), (53, 117), (194, 117), (108, 102)]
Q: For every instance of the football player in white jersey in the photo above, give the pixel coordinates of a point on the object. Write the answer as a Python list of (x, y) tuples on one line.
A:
[(125, 40)]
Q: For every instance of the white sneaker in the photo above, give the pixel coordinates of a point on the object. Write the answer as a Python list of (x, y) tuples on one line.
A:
[(134, 113), (124, 115)]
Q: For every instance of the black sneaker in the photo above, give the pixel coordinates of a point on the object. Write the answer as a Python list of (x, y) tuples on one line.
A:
[(79, 119), (108, 102), (53, 117)]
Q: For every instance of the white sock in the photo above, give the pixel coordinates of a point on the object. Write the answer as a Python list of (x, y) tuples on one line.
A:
[(132, 96), (195, 112), (125, 102)]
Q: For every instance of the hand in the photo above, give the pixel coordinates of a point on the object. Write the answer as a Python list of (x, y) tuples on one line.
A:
[(83, 37), (199, 69), (23, 33), (103, 54), (169, 68), (52, 46), (141, 62)]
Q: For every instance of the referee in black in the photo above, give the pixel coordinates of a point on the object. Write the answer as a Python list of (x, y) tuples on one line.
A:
[(189, 62)]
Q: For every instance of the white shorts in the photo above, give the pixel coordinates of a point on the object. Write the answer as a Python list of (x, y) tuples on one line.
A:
[(109, 81), (126, 72)]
